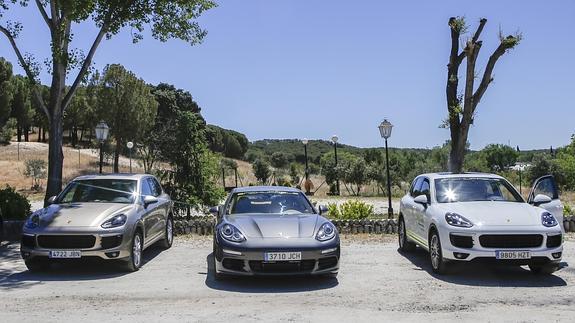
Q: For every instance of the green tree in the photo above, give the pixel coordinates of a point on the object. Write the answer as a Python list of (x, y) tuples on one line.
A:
[(196, 169), (262, 170), (22, 109), (461, 108), (279, 159), (167, 19), (499, 157), (127, 104), (5, 91)]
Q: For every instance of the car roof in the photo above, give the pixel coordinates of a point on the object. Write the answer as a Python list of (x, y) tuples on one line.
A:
[(247, 189), (433, 176), (112, 176)]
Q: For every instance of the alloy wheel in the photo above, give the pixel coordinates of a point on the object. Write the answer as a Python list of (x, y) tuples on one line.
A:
[(137, 251), (434, 251)]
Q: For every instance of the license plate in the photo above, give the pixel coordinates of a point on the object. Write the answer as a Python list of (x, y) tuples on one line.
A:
[(512, 254), (282, 256), (65, 254)]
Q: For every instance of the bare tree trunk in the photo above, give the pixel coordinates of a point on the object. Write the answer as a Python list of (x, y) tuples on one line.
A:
[(55, 155), (461, 110), (117, 156)]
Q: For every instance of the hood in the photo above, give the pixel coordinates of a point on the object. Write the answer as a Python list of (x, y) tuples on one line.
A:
[(79, 214), (275, 225), (496, 213)]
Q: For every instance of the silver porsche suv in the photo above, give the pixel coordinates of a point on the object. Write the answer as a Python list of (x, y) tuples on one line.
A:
[(112, 217)]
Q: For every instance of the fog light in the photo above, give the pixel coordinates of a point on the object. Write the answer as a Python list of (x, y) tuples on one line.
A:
[(556, 255), (231, 252), (460, 255), (323, 252), (112, 254)]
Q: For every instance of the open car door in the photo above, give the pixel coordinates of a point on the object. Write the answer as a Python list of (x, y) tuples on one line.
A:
[(547, 186)]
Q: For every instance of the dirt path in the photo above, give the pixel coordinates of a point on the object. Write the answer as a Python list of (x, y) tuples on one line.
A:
[(375, 283)]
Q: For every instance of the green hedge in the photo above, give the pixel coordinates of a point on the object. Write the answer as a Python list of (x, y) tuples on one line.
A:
[(14, 205)]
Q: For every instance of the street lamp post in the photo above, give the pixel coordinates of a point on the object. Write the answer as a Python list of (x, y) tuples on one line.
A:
[(385, 131), (130, 145), (519, 166), (334, 139), (102, 130), (304, 142)]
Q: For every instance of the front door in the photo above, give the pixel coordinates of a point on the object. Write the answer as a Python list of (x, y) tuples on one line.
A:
[(546, 185)]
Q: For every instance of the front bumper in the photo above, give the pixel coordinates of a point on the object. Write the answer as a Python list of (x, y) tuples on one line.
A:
[(542, 253), (316, 259), (109, 244)]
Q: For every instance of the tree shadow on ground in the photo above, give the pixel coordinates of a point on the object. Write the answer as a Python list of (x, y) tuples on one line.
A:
[(486, 275), (14, 275), (278, 284)]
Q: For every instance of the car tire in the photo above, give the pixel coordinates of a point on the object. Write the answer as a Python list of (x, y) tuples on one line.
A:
[(36, 265), (134, 261), (168, 239), (438, 263), (404, 244), (546, 269)]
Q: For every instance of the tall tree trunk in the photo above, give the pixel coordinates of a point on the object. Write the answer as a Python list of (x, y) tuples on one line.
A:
[(18, 132), (55, 156), (26, 133), (117, 156), (39, 133)]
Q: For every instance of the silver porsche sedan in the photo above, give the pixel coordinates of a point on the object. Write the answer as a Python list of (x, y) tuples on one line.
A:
[(270, 230), (111, 217)]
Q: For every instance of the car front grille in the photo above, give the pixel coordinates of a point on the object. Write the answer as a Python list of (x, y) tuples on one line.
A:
[(233, 264), (458, 241), (511, 240), (29, 241), (111, 242), (66, 241), (287, 267), (554, 241), (325, 263)]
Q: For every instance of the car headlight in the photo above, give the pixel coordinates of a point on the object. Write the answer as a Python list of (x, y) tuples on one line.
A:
[(548, 220), (326, 232), (33, 221), (231, 233), (457, 220), (117, 221)]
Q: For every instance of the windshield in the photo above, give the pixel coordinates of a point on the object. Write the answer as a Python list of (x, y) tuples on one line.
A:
[(449, 190), (100, 190), (269, 203)]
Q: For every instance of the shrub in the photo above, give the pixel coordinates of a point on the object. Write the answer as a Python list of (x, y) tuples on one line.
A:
[(351, 210), (35, 168), (14, 206), (567, 210)]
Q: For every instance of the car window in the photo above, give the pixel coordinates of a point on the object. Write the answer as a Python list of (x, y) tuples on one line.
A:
[(546, 187), (146, 189), (424, 190), (99, 191), (269, 203), (154, 187), (467, 189), (416, 187)]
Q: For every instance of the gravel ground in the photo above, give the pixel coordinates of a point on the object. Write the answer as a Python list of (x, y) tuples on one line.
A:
[(375, 283)]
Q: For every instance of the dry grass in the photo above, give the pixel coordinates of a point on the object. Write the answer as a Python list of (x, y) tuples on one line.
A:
[(12, 165)]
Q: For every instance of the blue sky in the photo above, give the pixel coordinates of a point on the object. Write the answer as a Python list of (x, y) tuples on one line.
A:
[(294, 69)]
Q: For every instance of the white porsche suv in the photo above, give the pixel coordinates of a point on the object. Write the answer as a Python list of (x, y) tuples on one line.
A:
[(481, 217)]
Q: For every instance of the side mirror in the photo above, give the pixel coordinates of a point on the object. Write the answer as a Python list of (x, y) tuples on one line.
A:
[(215, 210), (51, 200), (541, 199), (421, 199), (149, 199), (322, 209)]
